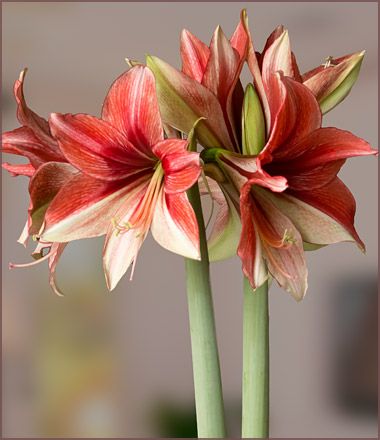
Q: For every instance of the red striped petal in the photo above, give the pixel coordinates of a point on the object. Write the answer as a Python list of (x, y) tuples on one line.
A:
[(286, 260), (250, 248), (19, 169), (95, 147), (84, 207), (221, 77), (181, 171), (295, 114), (132, 107), (23, 142), (175, 226), (43, 187), (336, 201), (194, 54), (30, 119)]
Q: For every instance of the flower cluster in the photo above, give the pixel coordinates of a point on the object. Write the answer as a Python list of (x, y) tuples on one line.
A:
[(266, 160)]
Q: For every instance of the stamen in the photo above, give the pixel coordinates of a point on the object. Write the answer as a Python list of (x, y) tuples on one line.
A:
[(328, 62), (142, 215)]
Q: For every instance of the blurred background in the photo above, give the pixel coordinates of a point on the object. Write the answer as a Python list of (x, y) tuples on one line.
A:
[(95, 364)]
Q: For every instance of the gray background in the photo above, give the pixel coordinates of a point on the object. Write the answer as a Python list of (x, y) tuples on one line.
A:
[(100, 364)]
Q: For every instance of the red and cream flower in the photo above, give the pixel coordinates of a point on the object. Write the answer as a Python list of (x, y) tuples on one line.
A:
[(131, 178)]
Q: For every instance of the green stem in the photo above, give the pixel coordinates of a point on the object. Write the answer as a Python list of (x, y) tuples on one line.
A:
[(206, 368), (255, 411)]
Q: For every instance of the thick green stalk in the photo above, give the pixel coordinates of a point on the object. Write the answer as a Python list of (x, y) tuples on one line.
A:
[(255, 411), (206, 368)]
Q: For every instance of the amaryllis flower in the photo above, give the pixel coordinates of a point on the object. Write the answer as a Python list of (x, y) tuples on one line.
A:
[(47, 169), (282, 153), (131, 180), (304, 201)]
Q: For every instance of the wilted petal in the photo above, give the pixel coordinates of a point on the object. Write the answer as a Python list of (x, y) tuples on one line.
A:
[(194, 54), (183, 101), (95, 147), (131, 106), (84, 207), (332, 82), (175, 226)]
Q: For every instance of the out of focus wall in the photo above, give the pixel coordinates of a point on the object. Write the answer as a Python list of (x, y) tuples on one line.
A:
[(102, 365)]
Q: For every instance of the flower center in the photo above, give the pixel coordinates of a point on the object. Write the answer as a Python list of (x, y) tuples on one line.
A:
[(142, 215)]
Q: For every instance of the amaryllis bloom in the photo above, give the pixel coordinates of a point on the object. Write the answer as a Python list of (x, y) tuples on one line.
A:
[(304, 202), (131, 179), (281, 177), (47, 169)]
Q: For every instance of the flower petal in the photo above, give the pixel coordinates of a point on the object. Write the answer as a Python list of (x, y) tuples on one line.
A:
[(239, 40), (131, 106), (286, 262), (250, 248), (332, 83), (225, 234), (222, 77), (175, 226), (95, 147), (335, 201), (181, 167), (295, 114), (221, 67), (321, 146), (28, 118), (181, 171), (23, 142), (254, 67), (121, 249), (194, 54), (169, 146), (43, 187), (84, 207), (19, 169), (183, 101), (277, 57), (54, 256), (314, 225)]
